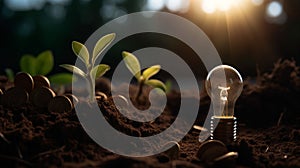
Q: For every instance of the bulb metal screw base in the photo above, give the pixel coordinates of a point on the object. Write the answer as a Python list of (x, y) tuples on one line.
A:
[(225, 130)]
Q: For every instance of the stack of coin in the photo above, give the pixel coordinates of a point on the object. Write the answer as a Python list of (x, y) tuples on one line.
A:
[(43, 97), (18, 95), (36, 91), (42, 93)]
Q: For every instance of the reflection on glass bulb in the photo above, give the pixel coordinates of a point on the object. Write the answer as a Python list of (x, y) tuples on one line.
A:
[(224, 85)]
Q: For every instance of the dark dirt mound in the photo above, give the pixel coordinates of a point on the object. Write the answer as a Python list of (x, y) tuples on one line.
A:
[(269, 130)]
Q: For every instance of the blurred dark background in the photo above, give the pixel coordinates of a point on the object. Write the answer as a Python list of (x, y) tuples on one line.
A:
[(246, 33)]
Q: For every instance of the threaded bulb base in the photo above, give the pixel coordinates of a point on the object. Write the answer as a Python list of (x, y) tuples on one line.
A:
[(223, 129)]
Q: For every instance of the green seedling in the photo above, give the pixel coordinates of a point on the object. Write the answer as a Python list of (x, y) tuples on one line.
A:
[(10, 74), (134, 67), (168, 84), (41, 65), (92, 71)]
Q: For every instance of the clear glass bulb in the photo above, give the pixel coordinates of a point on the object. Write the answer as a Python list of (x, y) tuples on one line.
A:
[(224, 85)]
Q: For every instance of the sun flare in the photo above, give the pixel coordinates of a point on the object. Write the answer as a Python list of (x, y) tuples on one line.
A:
[(210, 6)]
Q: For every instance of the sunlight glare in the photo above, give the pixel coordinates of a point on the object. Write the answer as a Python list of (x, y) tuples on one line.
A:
[(178, 5), (155, 4), (224, 5), (210, 6), (274, 9), (257, 2)]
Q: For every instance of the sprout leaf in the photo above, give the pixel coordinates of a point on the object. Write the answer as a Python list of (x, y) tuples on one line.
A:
[(73, 69), (28, 64), (99, 71), (81, 51), (168, 85), (101, 45), (10, 74), (149, 72), (132, 64), (44, 63), (156, 84)]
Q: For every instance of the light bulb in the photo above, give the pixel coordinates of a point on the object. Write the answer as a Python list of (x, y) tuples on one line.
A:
[(224, 85)]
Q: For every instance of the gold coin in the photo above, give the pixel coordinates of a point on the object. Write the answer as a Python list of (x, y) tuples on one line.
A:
[(60, 104), (41, 96), (14, 97), (40, 80), (24, 81), (100, 96), (172, 149), (73, 99), (210, 150)]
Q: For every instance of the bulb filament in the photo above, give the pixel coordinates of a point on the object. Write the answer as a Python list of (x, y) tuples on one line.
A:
[(223, 97), (223, 93)]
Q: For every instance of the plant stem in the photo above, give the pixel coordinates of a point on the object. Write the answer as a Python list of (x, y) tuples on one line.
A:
[(91, 88), (137, 98)]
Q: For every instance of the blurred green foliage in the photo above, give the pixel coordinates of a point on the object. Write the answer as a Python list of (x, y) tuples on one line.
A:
[(54, 27), (245, 41), (41, 65)]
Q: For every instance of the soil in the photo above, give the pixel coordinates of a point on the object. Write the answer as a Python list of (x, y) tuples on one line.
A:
[(267, 110)]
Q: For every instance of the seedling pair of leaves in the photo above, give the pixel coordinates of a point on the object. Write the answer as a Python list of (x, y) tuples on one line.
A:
[(41, 65), (92, 71), (134, 67)]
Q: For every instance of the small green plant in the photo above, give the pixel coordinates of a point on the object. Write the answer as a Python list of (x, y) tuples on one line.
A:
[(92, 71), (40, 65), (168, 84), (10, 74), (134, 67)]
